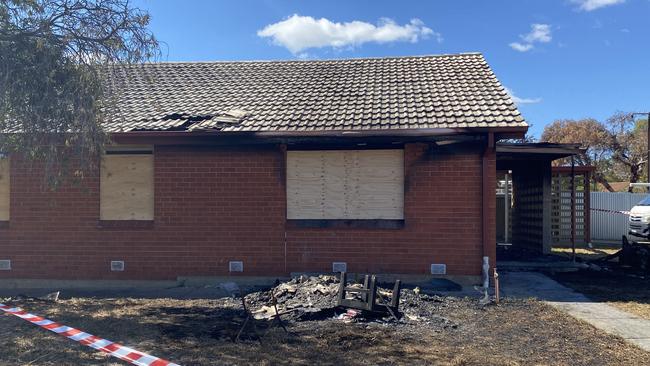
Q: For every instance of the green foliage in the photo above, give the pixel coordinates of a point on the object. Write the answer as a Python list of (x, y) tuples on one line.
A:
[(51, 94)]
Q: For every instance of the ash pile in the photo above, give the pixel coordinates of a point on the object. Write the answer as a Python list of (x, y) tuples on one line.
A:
[(301, 298), (308, 298)]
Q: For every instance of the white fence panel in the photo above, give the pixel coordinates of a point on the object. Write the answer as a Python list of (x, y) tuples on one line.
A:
[(610, 225)]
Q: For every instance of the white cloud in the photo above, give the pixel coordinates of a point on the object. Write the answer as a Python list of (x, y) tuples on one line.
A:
[(590, 5), (519, 100), (521, 47), (539, 33), (298, 33)]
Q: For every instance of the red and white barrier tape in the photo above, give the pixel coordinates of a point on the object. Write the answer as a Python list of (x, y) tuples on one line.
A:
[(100, 344), (611, 211)]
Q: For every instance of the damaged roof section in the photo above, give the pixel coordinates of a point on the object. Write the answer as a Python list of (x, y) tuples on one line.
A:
[(186, 122), (446, 91)]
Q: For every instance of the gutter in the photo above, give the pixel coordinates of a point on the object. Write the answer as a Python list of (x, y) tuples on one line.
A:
[(509, 132), (396, 132)]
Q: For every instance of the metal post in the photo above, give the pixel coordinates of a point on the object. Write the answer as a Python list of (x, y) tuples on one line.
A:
[(506, 217)]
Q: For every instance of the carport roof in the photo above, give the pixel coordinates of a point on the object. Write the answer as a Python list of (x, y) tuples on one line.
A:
[(536, 150)]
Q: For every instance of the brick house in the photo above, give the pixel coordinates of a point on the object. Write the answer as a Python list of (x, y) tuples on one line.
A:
[(383, 165)]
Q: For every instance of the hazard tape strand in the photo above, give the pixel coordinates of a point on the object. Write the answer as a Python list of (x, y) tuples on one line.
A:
[(611, 211), (114, 349)]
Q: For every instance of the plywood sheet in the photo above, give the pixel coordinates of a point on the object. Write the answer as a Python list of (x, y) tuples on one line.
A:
[(305, 184), (5, 189), (379, 184), (345, 184), (126, 187)]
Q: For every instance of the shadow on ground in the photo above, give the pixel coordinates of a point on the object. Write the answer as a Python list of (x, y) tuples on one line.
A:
[(626, 291)]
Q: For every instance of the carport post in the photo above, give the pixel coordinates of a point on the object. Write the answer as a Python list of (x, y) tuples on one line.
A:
[(506, 206), (586, 208), (573, 207), (488, 182)]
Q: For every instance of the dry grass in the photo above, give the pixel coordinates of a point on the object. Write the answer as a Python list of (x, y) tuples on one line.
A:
[(199, 332), (634, 307), (625, 292), (586, 253)]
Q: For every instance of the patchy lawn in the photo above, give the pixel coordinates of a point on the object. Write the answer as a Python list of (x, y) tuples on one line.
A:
[(199, 332), (629, 293)]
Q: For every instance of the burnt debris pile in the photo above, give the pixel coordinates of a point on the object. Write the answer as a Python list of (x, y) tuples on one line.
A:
[(301, 298), (315, 298)]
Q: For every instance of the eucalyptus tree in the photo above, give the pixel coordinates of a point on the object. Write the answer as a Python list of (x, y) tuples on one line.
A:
[(54, 59)]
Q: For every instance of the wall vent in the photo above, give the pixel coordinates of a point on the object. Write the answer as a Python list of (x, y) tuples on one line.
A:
[(5, 265), (339, 267), (236, 266), (438, 269), (117, 266)]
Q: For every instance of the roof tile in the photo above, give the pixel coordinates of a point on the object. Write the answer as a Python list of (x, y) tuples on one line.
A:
[(443, 91)]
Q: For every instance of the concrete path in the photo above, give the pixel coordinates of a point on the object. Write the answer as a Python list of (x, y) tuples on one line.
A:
[(632, 328)]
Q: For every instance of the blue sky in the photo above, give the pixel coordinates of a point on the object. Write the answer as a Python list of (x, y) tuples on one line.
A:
[(560, 58)]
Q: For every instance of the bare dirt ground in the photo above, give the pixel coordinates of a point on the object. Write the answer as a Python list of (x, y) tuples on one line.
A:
[(627, 292), (448, 331)]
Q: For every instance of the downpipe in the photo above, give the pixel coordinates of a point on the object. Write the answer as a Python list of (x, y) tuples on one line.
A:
[(486, 281)]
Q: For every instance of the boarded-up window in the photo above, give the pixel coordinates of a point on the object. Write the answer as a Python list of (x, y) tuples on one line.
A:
[(5, 188), (345, 184), (126, 185)]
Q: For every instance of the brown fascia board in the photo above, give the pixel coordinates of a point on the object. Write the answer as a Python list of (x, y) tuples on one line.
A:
[(215, 137), (562, 151)]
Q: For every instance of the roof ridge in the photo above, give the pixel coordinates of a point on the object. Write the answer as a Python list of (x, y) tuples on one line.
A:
[(321, 60)]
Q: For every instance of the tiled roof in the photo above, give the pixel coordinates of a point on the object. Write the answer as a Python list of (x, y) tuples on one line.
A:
[(446, 91)]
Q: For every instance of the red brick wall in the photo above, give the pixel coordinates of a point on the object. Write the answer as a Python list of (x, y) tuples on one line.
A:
[(213, 205)]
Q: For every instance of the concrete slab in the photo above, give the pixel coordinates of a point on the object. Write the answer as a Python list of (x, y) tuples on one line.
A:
[(641, 343), (7, 284), (530, 266), (626, 328), (534, 284), (208, 287), (183, 288), (630, 327), (183, 293), (593, 310)]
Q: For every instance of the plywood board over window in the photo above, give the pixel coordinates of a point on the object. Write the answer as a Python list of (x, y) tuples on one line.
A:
[(126, 185), (5, 188), (345, 184)]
